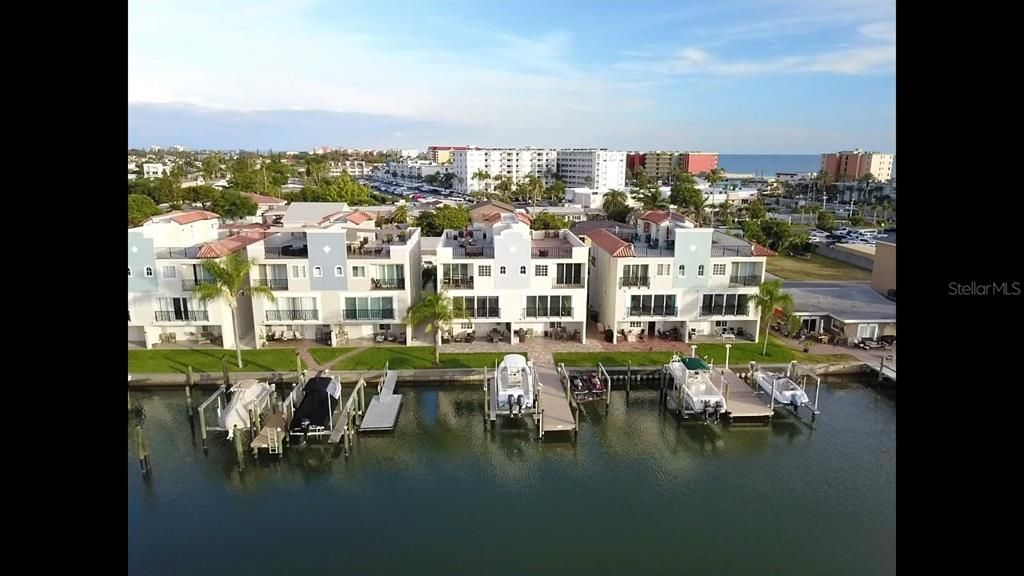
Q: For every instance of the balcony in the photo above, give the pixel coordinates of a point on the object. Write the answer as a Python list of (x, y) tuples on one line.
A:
[(457, 283), (482, 313), (725, 310), (655, 311), (556, 312), (286, 252), (574, 284), (635, 282), (559, 252), (727, 251), (272, 283), (387, 283), (360, 314), (284, 315), (191, 284), (473, 252), (168, 253), (182, 315), (370, 251), (744, 281), (645, 251)]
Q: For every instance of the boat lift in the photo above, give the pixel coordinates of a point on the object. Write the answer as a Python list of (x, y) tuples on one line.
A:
[(801, 380), (261, 408)]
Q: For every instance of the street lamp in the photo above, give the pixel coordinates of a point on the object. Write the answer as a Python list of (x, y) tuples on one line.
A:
[(727, 346)]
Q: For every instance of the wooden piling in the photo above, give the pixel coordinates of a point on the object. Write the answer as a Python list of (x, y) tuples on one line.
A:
[(298, 365), (629, 376), (239, 452), (188, 392), (202, 429), (224, 369), (143, 451)]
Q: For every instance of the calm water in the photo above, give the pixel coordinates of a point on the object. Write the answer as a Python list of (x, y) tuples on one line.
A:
[(769, 164), (638, 494)]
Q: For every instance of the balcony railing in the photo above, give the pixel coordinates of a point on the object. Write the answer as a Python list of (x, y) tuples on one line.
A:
[(473, 252), (725, 310), (572, 284), (560, 252), (744, 281), (281, 315), (286, 252), (555, 312), (635, 282), (166, 253), (387, 283), (369, 251), (457, 282), (726, 251), (272, 283), (182, 316), (655, 311), (647, 251), (191, 283), (360, 314), (481, 313)]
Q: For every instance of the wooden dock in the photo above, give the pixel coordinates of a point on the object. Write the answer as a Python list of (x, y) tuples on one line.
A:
[(382, 412), (558, 416), (271, 437), (742, 401)]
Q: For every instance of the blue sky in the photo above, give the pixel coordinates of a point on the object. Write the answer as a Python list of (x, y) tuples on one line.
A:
[(730, 76)]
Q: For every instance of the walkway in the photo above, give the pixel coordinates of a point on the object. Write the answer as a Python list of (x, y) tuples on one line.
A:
[(557, 413)]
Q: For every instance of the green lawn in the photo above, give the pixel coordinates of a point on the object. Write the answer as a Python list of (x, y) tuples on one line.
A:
[(740, 354), (325, 355), (415, 357), (208, 360), (817, 268)]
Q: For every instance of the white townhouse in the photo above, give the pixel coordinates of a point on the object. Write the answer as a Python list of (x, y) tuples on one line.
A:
[(665, 276), (514, 282)]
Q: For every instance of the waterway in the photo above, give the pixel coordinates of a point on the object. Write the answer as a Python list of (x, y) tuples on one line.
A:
[(636, 494)]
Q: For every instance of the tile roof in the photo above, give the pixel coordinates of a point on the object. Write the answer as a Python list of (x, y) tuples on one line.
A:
[(659, 216), (222, 248), (495, 203), (586, 226), (495, 217), (758, 250), (611, 243), (183, 218), (358, 217)]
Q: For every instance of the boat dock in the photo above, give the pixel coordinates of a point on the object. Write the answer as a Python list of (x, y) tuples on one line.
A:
[(553, 401), (886, 368), (271, 437), (741, 399), (382, 412)]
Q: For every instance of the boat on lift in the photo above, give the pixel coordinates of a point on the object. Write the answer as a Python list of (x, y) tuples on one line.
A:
[(786, 391), (514, 385), (692, 389), (246, 396)]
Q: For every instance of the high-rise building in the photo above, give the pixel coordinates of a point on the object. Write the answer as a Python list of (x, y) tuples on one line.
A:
[(442, 154), (851, 165), (592, 168), (514, 163)]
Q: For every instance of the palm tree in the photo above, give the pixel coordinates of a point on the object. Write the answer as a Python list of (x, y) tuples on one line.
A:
[(616, 203), (482, 176), (400, 215), (504, 187), (725, 212), (436, 311), (228, 280), (714, 176), (768, 298), (650, 198), (534, 187), (698, 205)]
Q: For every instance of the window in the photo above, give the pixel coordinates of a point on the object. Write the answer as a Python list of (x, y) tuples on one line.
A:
[(718, 270), (682, 271), (298, 271), (364, 308), (502, 270), (384, 327), (700, 271), (168, 272), (339, 271), (636, 324), (129, 271), (522, 270), (664, 269), (484, 271), (359, 271), (466, 326), (721, 323), (539, 306), (555, 325), (149, 272), (318, 272), (541, 270), (569, 274)]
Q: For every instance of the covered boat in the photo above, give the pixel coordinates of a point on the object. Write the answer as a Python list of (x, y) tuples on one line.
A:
[(245, 396), (320, 397)]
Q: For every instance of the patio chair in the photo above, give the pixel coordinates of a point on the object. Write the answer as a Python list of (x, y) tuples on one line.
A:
[(739, 331)]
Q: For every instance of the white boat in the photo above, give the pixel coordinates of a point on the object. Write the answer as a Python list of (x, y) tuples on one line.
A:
[(514, 383), (245, 395), (692, 382), (786, 391)]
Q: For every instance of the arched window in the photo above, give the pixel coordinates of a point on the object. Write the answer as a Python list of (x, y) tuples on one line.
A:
[(700, 271), (318, 272), (502, 271), (522, 270), (339, 271), (129, 271), (682, 271), (149, 272)]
